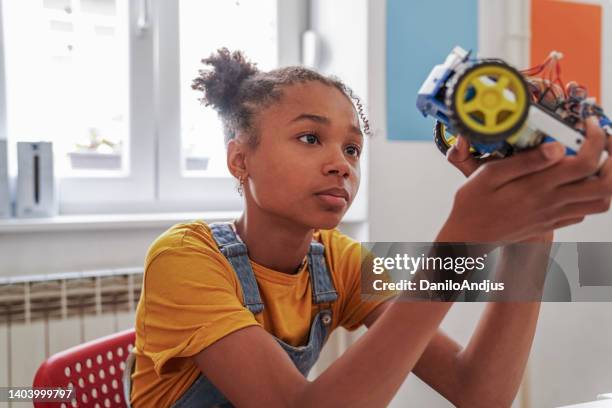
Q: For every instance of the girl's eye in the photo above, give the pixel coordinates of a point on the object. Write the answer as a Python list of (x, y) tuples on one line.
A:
[(309, 138), (353, 150)]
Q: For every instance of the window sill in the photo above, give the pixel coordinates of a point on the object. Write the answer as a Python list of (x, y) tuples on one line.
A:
[(107, 221), (98, 222)]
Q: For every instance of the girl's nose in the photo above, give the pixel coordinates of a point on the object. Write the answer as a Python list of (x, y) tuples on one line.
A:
[(337, 165)]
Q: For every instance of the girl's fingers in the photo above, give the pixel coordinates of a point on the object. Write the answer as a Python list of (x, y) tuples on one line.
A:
[(567, 222), (594, 134), (577, 210), (573, 168), (459, 156), (587, 190), (592, 188), (500, 172), (588, 160)]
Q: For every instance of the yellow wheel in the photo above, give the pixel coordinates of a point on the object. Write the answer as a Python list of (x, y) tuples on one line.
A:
[(444, 140), (489, 101)]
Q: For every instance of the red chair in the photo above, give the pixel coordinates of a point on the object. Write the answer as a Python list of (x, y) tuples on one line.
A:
[(94, 370)]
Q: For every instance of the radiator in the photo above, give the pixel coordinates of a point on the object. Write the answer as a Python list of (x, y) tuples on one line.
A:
[(41, 315)]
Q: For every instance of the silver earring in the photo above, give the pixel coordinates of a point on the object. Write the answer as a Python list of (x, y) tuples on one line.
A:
[(240, 186)]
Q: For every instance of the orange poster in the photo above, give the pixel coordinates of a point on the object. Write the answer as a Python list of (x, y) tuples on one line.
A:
[(575, 30)]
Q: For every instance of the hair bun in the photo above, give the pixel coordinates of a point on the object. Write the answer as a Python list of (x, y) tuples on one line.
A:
[(222, 84)]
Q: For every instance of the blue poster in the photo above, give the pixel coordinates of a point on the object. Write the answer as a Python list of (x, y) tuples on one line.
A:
[(420, 34)]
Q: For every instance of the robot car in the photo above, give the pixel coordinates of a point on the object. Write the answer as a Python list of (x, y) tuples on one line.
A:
[(501, 110)]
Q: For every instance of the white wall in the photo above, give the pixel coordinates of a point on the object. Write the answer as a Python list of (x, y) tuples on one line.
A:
[(102, 247), (32, 253)]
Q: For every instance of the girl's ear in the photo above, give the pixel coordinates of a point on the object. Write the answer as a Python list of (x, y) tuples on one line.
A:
[(236, 155)]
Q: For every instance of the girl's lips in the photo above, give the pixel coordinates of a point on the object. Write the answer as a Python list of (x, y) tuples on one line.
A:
[(333, 201)]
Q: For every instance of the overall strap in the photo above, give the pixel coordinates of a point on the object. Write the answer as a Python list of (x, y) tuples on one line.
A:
[(236, 253), (323, 290)]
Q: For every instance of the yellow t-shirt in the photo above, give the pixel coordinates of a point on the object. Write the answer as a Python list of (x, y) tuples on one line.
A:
[(191, 298)]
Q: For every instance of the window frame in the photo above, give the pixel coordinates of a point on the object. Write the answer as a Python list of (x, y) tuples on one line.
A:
[(209, 193), (3, 135), (89, 194)]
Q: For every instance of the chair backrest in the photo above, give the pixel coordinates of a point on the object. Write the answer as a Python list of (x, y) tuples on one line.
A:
[(93, 370)]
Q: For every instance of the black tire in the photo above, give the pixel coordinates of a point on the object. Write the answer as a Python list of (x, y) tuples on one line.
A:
[(439, 139)]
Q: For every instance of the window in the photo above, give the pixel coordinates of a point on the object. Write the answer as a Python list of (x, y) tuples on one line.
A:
[(202, 145), (268, 31), (109, 83), (63, 79)]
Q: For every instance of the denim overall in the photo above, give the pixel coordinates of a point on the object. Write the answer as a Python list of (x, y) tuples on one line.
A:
[(202, 392)]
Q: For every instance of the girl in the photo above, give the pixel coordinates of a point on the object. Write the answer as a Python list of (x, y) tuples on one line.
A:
[(217, 325)]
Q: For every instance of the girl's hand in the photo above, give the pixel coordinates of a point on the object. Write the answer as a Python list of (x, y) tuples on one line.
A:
[(529, 194), (459, 155)]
